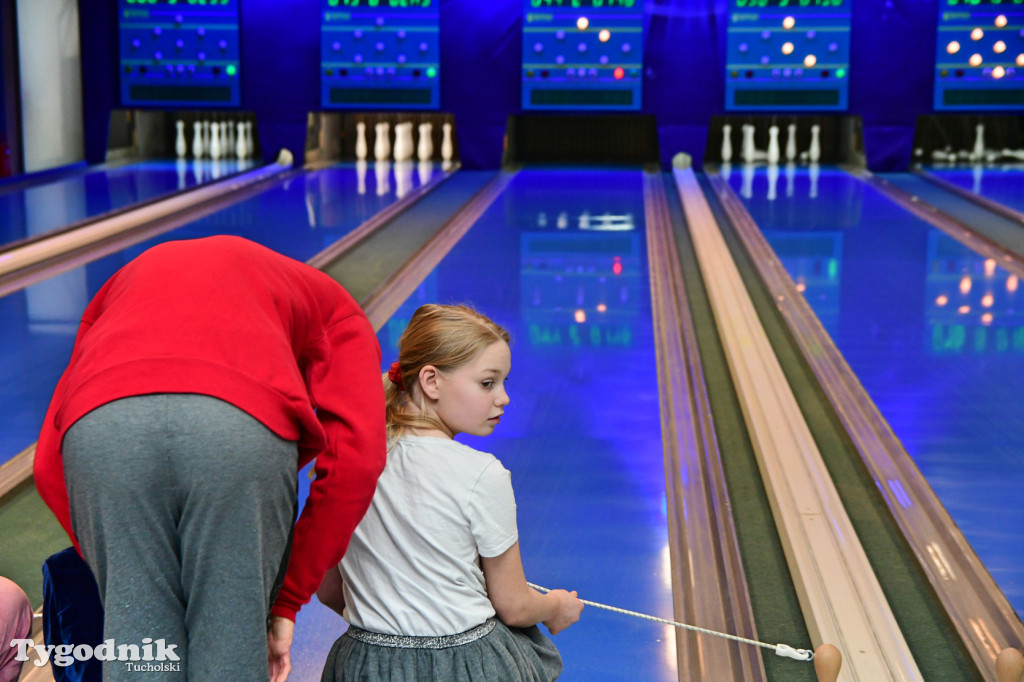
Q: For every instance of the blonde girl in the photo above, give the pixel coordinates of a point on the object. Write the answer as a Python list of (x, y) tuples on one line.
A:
[(432, 584)]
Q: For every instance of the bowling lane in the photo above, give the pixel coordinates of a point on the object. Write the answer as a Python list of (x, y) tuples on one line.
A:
[(933, 331), (31, 211), (1002, 184), (298, 217), (560, 259)]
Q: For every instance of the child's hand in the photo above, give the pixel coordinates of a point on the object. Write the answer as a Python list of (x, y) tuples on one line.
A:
[(568, 611)]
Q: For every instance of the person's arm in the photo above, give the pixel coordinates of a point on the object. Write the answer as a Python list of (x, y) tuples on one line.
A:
[(348, 395), (519, 605), (332, 593), (279, 647)]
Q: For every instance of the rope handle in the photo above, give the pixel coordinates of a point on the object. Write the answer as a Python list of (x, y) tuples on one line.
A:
[(783, 650)]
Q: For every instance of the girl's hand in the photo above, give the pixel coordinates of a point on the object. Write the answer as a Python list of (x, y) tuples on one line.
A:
[(567, 611)]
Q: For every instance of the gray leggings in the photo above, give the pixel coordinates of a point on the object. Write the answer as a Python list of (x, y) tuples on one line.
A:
[(183, 506)]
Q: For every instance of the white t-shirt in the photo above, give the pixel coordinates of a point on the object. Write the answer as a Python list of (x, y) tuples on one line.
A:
[(413, 566)]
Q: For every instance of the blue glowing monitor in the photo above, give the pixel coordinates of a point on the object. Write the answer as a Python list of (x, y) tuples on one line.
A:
[(787, 55), (979, 56), (583, 55), (178, 53), (380, 54)]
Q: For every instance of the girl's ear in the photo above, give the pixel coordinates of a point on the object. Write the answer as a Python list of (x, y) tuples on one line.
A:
[(429, 382)]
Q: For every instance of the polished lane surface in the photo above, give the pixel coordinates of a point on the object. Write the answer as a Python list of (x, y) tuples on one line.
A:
[(298, 217), (933, 331), (1002, 184), (560, 260), (31, 211)]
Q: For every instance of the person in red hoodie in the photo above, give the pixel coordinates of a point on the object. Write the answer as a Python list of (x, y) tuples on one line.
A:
[(205, 374)]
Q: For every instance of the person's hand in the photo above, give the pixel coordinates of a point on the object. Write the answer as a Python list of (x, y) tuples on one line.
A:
[(279, 647), (569, 608)]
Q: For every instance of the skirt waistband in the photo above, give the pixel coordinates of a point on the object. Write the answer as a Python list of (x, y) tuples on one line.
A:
[(411, 642)]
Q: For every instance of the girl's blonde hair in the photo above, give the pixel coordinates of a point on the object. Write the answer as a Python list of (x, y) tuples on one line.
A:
[(445, 336)]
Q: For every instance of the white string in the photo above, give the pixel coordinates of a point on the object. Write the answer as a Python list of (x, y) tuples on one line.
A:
[(780, 649)]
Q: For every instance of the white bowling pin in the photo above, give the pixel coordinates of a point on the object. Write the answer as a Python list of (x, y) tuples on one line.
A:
[(748, 151), (250, 145), (206, 138), (228, 138), (773, 146), (425, 148), (215, 141), (814, 153), (773, 180), (197, 140), (180, 146), (240, 150), (726, 143), (446, 142), (791, 142), (978, 153), (382, 142), (361, 142)]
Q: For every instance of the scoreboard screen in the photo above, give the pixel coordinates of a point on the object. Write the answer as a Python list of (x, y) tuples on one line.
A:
[(179, 52), (979, 55), (582, 55), (380, 54), (787, 55)]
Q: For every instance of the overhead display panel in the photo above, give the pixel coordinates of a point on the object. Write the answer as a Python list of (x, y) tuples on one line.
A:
[(582, 55), (382, 54), (979, 55), (787, 55), (179, 53)]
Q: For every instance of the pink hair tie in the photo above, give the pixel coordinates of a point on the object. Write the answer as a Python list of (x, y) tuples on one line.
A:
[(395, 374)]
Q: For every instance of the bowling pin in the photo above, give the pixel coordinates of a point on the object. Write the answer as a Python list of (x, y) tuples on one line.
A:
[(206, 138), (446, 142), (215, 141), (240, 151), (978, 153), (773, 146), (748, 150), (180, 146), (425, 149), (773, 180), (399, 147), (791, 142), (228, 138), (250, 145), (381, 142), (814, 153), (726, 143), (197, 140), (361, 141)]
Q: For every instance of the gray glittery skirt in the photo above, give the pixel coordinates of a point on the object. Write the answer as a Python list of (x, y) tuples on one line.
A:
[(488, 652)]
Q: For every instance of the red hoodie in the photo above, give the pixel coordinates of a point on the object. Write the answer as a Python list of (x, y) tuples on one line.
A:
[(228, 318)]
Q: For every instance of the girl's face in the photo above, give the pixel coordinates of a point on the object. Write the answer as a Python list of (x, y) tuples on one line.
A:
[(472, 398)]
